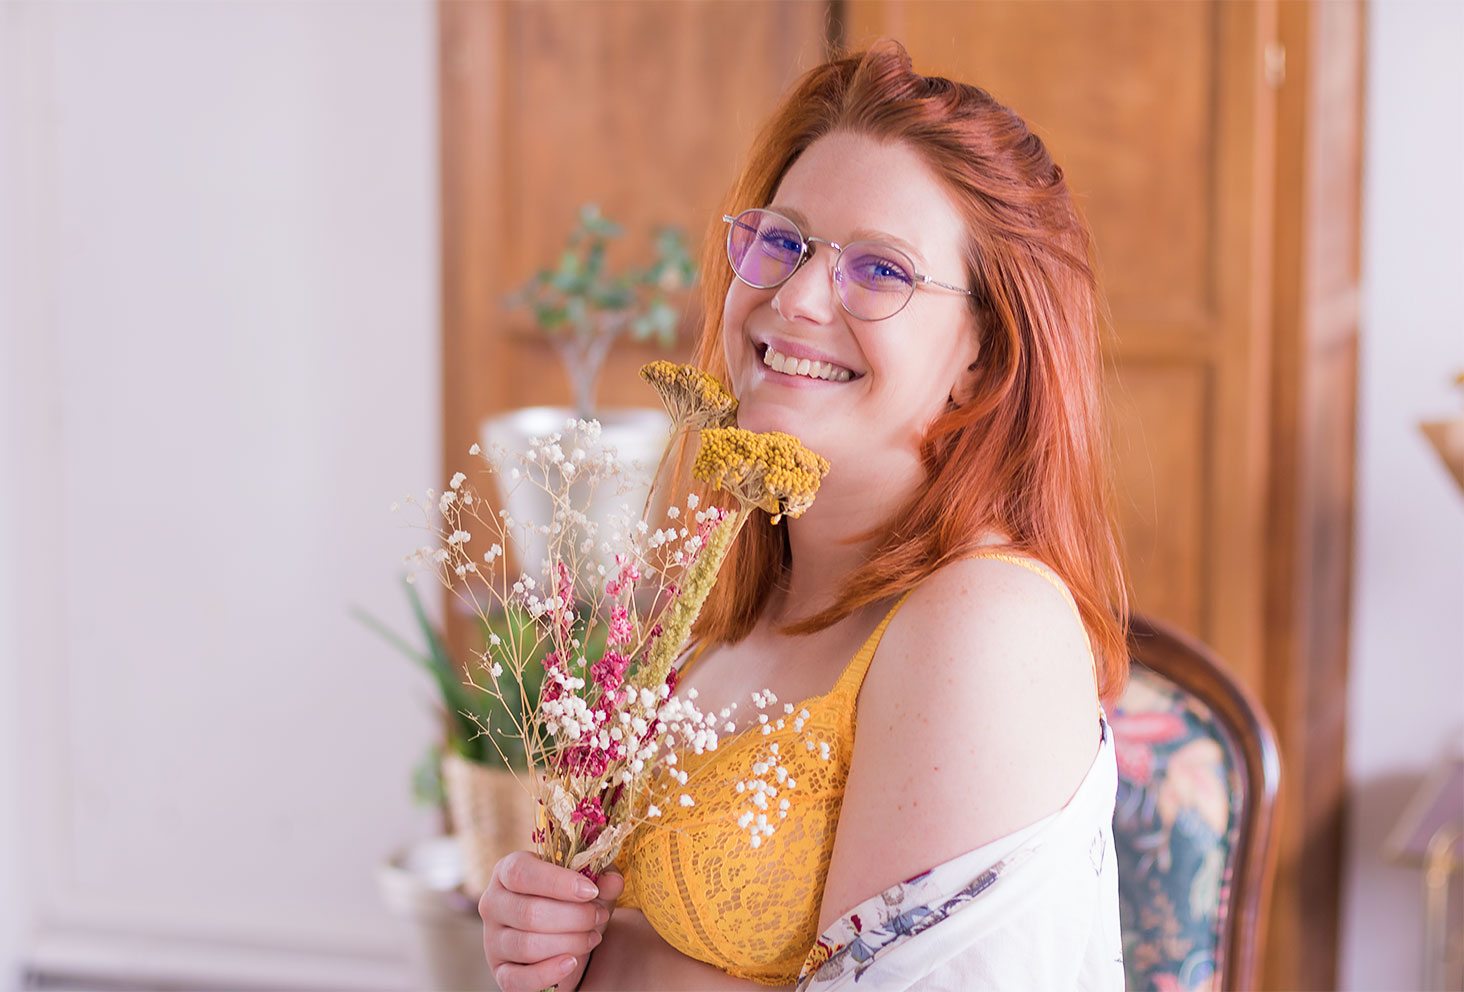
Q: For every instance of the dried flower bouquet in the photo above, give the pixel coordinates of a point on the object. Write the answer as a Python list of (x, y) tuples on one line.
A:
[(605, 733)]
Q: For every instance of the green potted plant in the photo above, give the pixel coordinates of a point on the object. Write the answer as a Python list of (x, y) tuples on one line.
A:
[(583, 307), (465, 772), (471, 772), (423, 883)]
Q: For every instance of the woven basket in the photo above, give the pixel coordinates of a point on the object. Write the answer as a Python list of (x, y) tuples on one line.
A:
[(492, 816)]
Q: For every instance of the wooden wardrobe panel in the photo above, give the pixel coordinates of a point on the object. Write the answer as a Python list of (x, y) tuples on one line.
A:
[(1313, 444), (1214, 148), (470, 124), (645, 108), (1157, 424), (1132, 122), (1157, 114)]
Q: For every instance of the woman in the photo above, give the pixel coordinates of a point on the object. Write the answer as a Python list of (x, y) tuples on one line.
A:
[(904, 285)]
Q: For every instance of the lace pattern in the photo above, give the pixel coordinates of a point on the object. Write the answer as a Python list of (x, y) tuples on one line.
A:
[(753, 912)]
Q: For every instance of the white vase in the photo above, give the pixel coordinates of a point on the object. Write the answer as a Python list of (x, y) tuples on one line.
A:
[(421, 885), (637, 435)]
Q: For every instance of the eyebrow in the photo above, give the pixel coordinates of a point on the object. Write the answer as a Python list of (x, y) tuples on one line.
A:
[(859, 234)]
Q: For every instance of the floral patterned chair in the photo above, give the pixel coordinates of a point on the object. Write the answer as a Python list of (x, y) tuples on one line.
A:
[(1198, 774)]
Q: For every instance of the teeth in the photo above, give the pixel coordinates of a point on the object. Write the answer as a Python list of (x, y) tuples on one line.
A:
[(779, 362)]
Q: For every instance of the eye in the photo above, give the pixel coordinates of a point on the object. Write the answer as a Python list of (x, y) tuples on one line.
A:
[(781, 243), (877, 267)]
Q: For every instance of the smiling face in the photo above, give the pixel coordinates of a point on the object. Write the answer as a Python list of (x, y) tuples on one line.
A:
[(854, 390)]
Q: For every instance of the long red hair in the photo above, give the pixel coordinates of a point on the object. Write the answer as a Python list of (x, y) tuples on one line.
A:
[(1026, 455)]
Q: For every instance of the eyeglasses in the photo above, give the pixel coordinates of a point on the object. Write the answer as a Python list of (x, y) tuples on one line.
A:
[(874, 281)]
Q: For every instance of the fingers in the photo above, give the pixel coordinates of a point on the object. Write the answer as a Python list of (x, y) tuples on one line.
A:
[(541, 921), (527, 947), (509, 909), (533, 977), (526, 873), (611, 887)]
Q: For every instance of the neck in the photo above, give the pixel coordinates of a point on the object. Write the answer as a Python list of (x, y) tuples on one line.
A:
[(821, 543)]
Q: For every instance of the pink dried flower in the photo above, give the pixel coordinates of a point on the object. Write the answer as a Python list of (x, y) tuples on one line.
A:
[(709, 524), (584, 759), (621, 630), (564, 591), (609, 671), (552, 689), (589, 813), (629, 574)]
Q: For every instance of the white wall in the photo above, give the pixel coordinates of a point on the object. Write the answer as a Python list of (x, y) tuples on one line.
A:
[(14, 920), (219, 367), (1406, 692)]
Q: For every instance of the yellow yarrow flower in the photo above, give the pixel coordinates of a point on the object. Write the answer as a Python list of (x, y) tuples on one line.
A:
[(694, 398), (771, 470)]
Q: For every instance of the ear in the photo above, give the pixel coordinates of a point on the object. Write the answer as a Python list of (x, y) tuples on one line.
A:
[(964, 386)]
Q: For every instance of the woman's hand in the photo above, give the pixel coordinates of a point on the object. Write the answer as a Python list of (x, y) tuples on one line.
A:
[(540, 922)]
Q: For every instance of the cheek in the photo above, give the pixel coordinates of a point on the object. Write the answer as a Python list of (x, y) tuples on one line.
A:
[(731, 330), (915, 385), (736, 308)]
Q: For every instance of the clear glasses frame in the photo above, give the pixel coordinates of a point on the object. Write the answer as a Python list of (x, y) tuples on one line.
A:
[(841, 278)]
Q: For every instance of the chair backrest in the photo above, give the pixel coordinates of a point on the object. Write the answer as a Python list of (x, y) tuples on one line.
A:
[(1198, 773)]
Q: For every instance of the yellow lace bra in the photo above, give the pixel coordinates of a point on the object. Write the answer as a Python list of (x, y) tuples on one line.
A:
[(753, 912)]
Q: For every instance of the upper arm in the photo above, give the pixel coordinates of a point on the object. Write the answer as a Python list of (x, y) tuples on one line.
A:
[(977, 718)]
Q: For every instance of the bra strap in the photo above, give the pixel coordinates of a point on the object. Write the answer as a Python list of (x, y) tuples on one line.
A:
[(695, 653), (1038, 568), (859, 667)]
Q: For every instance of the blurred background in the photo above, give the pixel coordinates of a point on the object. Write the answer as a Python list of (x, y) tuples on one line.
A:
[(254, 263)]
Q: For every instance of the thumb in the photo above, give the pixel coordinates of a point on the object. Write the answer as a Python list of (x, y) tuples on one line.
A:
[(612, 885)]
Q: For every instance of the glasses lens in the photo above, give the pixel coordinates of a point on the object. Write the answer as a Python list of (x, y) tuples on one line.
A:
[(764, 248), (875, 281)]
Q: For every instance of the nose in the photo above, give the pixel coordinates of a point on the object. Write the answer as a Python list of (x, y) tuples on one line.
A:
[(809, 292)]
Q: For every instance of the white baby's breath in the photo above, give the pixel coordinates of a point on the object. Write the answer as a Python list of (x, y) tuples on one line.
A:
[(638, 733)]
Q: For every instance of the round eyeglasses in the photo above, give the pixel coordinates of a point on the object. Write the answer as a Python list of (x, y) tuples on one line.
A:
[(873, 281)]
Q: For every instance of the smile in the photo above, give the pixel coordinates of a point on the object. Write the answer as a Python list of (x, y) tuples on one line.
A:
[(779, 362)]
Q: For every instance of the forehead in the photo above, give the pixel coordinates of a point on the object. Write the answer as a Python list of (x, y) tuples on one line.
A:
[(848, 186)]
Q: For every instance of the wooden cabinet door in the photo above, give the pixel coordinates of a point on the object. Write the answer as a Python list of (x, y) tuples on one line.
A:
[(1222, 189), (642, 107), (1159, 114)]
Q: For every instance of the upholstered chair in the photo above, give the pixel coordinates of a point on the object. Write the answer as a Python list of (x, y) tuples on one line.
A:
[(1198, 774)]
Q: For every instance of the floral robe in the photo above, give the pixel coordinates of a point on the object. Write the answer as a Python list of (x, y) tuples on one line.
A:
[(1035, 910)]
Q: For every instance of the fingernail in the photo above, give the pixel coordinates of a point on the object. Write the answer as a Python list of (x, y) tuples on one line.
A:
[(602, 915), (587, 890), (567, 967), (595, 940)]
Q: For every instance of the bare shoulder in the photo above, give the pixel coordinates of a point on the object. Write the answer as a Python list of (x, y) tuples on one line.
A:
[(984, 637), (972, 600), (978, 717)]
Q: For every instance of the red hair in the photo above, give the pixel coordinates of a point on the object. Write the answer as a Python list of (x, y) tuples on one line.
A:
[(1026, 455)]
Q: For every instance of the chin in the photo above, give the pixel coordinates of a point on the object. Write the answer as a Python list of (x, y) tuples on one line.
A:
[(760, 418)]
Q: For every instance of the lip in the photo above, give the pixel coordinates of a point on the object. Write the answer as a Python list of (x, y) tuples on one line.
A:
[(800, 351)]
